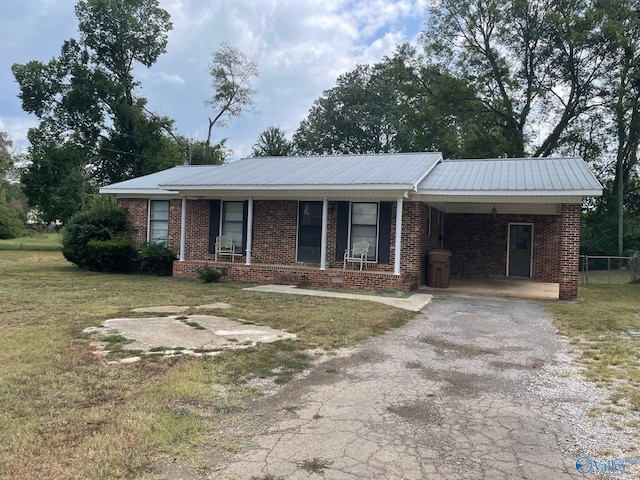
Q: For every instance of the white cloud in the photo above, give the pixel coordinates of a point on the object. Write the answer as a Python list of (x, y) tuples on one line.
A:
[(300, 47), (17, 128)]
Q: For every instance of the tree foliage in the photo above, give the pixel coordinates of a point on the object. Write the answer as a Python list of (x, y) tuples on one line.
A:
[(100, 222), (6, 163), (619, 34), (11, 223), (397, 105), (93, 128), (272, 143), (532, 62), (232, 73)]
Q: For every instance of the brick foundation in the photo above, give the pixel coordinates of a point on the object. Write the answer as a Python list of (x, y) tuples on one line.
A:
[(299, 275)]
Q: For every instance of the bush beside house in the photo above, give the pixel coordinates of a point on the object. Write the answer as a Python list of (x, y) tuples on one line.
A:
[(97, 239)]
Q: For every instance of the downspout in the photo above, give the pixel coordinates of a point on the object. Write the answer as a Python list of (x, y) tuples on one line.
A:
[(323, 242), (249, 230), (398, 244), (183, 228)]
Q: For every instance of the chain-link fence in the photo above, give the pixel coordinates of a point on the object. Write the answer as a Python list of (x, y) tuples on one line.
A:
[(605, 270)]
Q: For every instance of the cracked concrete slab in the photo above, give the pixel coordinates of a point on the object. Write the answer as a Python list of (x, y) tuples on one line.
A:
[(470, 389), (414, 303), (191, 332)]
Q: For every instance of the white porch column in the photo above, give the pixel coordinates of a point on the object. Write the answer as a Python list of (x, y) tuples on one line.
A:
[(398, 245), (323, 242), (183, 228), (249, 230)]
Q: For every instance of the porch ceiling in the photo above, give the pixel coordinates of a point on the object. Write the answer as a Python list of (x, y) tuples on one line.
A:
[(501, 208)]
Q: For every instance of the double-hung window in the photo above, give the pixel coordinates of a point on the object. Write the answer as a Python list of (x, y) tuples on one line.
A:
[(364, 226), (159, 221), (232, 222)]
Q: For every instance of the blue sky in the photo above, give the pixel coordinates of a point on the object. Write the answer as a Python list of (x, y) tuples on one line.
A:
[(300, 46)]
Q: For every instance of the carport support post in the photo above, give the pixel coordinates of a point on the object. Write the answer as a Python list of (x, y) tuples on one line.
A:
[(249, 230), (183, 227), (569, 251), (396, 262), (323, 241)]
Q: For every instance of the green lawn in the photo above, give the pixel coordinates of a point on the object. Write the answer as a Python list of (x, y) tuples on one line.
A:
[(605, 326), (605, 277), (40, 242), (65, 413)]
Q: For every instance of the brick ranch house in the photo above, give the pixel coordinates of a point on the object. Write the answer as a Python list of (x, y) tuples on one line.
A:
[(291, 218)]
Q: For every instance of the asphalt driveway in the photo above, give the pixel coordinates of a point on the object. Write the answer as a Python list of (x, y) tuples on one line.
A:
[(471, 388)]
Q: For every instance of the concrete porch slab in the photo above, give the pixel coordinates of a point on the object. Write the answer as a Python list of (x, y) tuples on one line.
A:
[(497, 288)]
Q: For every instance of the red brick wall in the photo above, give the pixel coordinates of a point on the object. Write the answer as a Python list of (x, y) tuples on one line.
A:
[(175, 216), (478, 244), (569, 251), (417, 240), (138, 211), (275, 233)]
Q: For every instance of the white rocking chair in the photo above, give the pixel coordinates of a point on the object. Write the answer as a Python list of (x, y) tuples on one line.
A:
[(225, 246), (358, 253)]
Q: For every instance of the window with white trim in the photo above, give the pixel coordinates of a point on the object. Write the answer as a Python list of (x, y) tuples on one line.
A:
[(159, 222), (232, 222), (364, 226)]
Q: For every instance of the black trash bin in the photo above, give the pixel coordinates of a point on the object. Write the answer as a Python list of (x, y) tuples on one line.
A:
[(438, 268)]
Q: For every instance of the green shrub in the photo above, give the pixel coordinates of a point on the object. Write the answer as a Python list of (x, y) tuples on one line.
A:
[(10, 224), (99, 223), (209, 274), (113, 255), (156, 259)]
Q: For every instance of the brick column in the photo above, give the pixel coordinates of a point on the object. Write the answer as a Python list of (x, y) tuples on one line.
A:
[(569, 251)]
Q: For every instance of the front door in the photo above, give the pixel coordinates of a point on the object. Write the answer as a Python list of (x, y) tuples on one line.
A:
[(309, 231), (520, 237)]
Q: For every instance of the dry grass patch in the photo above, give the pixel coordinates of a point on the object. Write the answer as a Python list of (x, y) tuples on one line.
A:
[(67, 414), (605, 325)]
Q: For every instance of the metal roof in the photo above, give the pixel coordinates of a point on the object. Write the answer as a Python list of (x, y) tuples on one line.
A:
[(374, 171), (424, 173), (147, 183), (512, 175)]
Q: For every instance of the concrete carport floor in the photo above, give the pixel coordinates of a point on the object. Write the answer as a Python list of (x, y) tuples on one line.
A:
[(522, 288), (469, 389)]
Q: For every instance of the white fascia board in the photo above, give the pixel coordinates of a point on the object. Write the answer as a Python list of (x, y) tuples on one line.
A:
[(251, 188), (419, 180), (123, 192), (511, 193)]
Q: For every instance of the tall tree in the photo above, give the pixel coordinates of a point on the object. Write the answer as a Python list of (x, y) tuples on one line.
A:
[(531, 61), (396, 105), (91, 121), (620, 35), (272, 143), (232, 73), (6, 163)]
